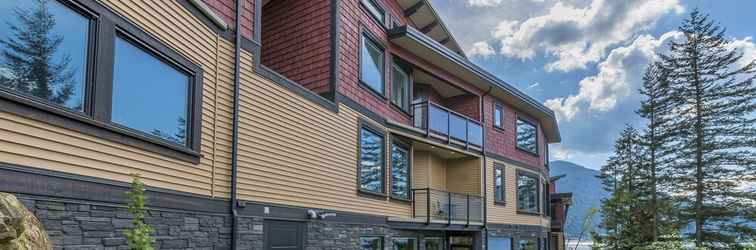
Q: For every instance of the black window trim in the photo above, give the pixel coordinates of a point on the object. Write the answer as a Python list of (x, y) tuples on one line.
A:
[(417, 240), (517, 145), (500, 107), (503, 201), (538, 192), (105, 25), (366, 34), (380, 8), (381, 237), (363, 124), (406, 68), (407, 147)]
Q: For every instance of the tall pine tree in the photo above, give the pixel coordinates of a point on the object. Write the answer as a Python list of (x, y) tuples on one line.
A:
[(624, 222), (655, 109), (715, 149), (29, 57)]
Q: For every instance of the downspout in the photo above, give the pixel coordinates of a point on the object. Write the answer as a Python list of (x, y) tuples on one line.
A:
[(485, 167), (235, 127)]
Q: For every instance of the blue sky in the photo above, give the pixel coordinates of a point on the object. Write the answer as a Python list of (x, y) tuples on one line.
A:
[(583, 58)]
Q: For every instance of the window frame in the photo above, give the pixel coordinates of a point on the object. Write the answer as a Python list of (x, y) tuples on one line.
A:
[(433, 238), (381, 133), (381, 21), (95, 120), (405, 69), (408, 148), (366, 37), (517, 144), (511, 240), (498, 107), (417, 241), (503, 199), (538, 194), (380, 237)]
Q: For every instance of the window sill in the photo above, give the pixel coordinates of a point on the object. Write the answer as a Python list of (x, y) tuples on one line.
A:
[(399, 199), (35, 110), (526, 151), (499, 129), (373, 91), (519, 212), (371, 195), (500, 203)]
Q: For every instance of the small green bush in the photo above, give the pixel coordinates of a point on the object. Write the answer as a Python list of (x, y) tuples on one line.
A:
[(139, 237)]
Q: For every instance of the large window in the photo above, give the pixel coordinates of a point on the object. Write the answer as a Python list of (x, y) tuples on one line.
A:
[(400, 171), (500, 243), (44, 52), (371, 64), (147, 95), (527, 136), (498, 119), (400, 88), (528, 244), (405, 244), (499, 184), (149, 87), (527, 193), (371, 161), (371, 243)]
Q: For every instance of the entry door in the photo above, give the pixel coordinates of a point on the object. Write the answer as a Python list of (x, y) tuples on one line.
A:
[(284, 235)]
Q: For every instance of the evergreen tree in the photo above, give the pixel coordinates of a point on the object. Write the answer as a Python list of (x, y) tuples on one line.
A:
[(715, 149), (654, 175), (28, 57), (623, 222)]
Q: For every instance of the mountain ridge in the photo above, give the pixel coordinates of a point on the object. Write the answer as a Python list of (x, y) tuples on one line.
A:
[(586, 190)]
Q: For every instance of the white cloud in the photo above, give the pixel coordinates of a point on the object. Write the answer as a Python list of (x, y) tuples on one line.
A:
[(577, 36), (747, 47), (481, 49), (483, 3), (618, 77)]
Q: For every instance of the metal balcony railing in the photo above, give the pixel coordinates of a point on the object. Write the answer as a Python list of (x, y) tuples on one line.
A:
[(436, 119), (452, 208)]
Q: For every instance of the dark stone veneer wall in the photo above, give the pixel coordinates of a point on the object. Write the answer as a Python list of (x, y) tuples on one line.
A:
[(77, 224)]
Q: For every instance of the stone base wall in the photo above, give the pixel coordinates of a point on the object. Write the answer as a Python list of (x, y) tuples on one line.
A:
[(74, 224), (84, 225)]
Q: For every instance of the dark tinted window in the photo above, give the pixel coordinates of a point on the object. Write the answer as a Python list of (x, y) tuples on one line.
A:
[(527, 136), (527, 193), (371, 65), (371, 243), (400, 88), (43, 51), (528, 244), (405, 244), (399, 172), (150, 96), (371, 161)]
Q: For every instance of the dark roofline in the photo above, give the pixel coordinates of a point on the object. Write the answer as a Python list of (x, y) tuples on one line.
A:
[(480, 72)]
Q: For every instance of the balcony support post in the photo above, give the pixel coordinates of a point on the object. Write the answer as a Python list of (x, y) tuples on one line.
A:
[(449, 213), (468, 210), (427, 206), (413, 203)]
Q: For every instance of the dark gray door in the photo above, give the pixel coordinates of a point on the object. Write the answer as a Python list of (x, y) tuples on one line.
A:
[(284, 235)]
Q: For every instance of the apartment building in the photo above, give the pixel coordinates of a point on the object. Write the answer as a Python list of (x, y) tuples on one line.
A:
[(266, 124)]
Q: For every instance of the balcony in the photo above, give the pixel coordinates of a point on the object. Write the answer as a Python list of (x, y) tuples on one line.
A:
[(437, 206), (446, 124)]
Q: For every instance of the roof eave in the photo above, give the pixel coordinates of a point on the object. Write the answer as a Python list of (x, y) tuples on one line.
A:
[(404, 34)]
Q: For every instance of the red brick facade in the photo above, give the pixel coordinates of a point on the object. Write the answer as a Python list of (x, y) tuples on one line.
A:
[(502, 141), (296, 41), (225, 9)]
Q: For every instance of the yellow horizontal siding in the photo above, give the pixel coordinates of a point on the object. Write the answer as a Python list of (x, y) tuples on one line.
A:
[(507, 214)]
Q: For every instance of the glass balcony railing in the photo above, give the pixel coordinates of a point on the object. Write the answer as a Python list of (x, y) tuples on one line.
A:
[(452, 208), (444, 122)]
